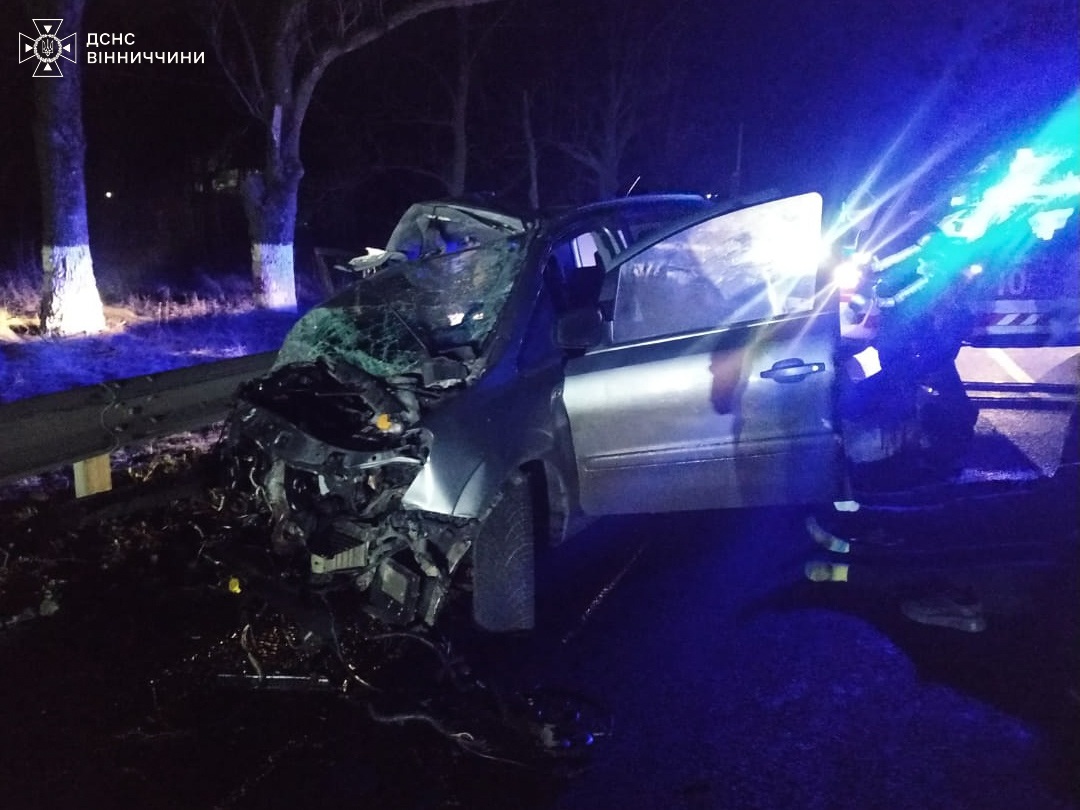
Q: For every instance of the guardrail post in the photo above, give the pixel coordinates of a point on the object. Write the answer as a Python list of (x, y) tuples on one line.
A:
[(92, 475)]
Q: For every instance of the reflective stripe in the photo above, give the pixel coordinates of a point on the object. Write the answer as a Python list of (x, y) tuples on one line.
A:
[(1026, 305), (1011, 330)]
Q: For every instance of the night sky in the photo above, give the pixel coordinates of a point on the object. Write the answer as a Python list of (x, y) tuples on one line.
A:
[(821, 90)]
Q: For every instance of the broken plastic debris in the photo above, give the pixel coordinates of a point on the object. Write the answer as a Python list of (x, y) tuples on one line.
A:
[(564, 723)]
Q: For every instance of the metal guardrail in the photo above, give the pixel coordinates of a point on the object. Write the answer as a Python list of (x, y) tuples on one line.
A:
[(1024, 396), (1059, 389), (57, 429)]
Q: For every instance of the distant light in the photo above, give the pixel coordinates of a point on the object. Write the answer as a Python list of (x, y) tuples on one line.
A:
[(1045, 224), (974, 270), (1026, 182), (708, 196), (108, 195), (959, 200)]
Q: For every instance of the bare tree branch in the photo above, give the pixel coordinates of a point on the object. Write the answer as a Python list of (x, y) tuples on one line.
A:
[(508, 7), (418, 170), (580, 154), (254, 97), (416, 9)]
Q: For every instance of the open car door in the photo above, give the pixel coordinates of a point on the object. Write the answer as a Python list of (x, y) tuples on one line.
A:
[(713, 384)]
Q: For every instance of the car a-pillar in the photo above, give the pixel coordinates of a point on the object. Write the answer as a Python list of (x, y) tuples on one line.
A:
[(504, 559)]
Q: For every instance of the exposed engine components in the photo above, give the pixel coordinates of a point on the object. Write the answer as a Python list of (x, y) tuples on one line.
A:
[(326, 453)]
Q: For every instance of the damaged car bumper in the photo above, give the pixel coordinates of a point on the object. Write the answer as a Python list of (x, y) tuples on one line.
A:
[(335, 506)]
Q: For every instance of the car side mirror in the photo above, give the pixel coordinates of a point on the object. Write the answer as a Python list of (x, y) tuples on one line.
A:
[(579, 328)]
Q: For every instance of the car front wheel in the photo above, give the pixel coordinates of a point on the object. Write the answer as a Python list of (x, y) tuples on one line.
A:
[(504, 561)]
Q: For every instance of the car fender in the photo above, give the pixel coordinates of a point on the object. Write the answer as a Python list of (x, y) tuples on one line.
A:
[(462, 478), (480, 439)]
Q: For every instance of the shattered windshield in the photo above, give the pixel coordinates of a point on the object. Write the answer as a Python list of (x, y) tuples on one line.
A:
[(389, 323)]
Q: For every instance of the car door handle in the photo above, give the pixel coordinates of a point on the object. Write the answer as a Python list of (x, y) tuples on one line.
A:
[(792, 369)]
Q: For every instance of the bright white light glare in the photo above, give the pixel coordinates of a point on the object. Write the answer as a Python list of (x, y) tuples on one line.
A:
[(824, 251), (455, 318), (974, 270), (1046, 223), (108, 195), (847, 275), (1025, 182), (959, 200)]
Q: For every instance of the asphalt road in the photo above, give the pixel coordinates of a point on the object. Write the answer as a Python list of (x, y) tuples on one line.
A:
[(736, 683), (1037, 434)]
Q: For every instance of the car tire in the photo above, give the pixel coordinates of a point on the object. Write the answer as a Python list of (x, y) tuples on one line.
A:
[(504, 561)]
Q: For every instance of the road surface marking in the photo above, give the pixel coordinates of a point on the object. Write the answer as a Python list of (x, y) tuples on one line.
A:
[(1009, 365)]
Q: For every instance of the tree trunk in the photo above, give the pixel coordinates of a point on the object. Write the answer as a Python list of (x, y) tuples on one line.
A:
[(607, 177), (610, 150), (270, 205), (70, 302), (460, 108), (530, 151), (460, 161)]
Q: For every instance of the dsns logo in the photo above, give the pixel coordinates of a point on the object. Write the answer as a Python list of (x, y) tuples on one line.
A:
[(48, 48)]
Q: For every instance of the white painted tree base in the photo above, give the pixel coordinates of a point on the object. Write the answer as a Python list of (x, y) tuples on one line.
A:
[(275, 284), (72, 304)]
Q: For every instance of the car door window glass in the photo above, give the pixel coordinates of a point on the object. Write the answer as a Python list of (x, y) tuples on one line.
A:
[(750, 265), (585, 250)]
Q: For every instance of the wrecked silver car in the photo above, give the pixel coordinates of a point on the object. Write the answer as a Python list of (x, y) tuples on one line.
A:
[(491, 381), (412, 422)]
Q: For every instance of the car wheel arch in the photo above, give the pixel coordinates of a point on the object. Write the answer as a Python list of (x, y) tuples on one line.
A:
[(503, 556), (503, 559)]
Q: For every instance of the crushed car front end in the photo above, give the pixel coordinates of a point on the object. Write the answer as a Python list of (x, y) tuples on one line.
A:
[(325, 448)]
